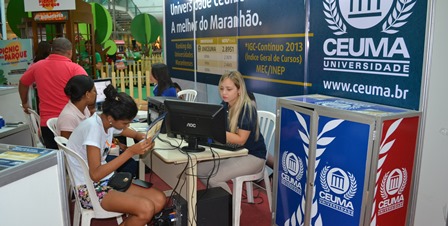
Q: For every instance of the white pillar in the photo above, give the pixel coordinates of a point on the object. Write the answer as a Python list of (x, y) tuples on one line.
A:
[(3, 19)]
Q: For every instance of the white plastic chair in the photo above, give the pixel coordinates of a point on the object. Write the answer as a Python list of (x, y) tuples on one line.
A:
[(33, 120), (188, 95), (52, 125), (86, 215), (267, 128)]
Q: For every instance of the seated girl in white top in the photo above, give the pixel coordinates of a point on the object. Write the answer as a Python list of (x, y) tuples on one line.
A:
[(92, 139)]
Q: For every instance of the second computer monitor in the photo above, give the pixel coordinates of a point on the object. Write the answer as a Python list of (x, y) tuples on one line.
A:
[(194, 121)]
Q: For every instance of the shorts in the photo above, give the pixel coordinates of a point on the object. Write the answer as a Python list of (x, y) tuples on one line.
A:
[(101, 189)]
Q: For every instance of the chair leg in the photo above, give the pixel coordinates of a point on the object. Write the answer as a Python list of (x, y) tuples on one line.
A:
[(267, 184), (85, 220), (76, 215), (236, 210), (249, 192), (119, 220)]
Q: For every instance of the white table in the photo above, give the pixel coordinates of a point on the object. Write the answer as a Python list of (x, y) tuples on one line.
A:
[(17, 135), (170, 162)]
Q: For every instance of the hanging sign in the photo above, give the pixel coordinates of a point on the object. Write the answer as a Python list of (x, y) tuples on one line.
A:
[(49, 5), (51, 16)]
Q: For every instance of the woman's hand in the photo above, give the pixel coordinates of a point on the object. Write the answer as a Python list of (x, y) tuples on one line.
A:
[(141, 147)]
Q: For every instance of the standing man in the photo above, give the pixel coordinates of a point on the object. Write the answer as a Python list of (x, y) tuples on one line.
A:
[(50, 76)]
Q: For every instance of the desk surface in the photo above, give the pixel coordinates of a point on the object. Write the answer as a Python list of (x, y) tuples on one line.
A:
[(171, 154), (9, 130)]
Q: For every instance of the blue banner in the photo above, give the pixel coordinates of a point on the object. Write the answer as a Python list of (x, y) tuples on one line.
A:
[(357, 49), (262, 39), (293, 164), (341, 158), (368, 50), (340, 167)]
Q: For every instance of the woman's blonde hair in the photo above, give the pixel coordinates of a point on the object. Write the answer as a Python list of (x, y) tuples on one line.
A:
[(243, 103)]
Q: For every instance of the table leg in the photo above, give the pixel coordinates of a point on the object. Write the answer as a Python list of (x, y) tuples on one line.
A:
[(141, 168), (192, 191)]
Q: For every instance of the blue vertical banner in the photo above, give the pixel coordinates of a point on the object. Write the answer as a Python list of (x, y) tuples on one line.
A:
[(341, 158), (368, 50), (179, 46), (293, 164), (264, 40), (272, 55)]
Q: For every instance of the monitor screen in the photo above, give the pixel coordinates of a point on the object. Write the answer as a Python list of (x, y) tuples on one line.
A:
[(100, 85), (194, 121)]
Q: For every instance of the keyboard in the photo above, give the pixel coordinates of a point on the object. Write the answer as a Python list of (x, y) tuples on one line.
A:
[(227, 146)]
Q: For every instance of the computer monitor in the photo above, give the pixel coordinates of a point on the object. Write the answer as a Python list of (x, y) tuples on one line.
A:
[(196, 121), (100, 85), (156, 108)]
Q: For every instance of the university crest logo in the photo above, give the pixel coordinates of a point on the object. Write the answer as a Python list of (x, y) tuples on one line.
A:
[(293, 170), (339, 187), (391, 190), (366, 14)]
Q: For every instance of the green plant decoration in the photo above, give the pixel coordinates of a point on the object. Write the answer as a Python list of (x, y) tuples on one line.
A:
[(111, 47), (14, 14), (102, 24), (145, 28), (3, 80)]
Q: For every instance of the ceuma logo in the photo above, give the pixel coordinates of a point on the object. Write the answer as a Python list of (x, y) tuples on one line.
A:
[(338, 188), (367, 55), (293, 169), (365, 14), (391, 190)]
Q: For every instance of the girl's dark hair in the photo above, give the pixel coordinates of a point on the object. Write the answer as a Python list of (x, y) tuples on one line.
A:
[(120, 106), (160, 73), (43, 51), (78, 86), (177, 86)]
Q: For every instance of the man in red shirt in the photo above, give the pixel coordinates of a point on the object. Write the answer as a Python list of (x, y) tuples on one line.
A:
[(51, 76)]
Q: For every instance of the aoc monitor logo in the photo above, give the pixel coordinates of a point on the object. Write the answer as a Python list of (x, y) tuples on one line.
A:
[(191, 125), (338, 188), (293, 169), (391, 190), (365, 14)]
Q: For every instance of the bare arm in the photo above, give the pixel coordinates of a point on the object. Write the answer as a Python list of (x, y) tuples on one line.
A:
[(240, 137), (133, 134), (98, 171), (66, 134), (23, 92)]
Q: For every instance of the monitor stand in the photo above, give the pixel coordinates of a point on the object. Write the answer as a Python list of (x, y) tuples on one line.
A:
[(192, 145)]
